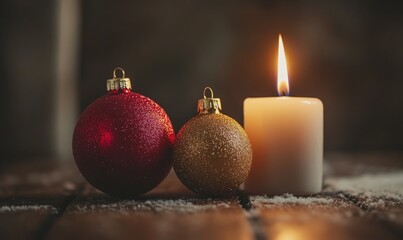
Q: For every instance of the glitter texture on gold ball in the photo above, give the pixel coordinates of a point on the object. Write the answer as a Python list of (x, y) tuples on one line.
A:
[(212, 153)]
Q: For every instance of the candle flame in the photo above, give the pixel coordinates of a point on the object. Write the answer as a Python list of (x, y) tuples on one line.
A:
[(282, 75)]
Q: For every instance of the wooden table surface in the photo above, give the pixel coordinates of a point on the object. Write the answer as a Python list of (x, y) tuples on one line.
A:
[(362, 198)]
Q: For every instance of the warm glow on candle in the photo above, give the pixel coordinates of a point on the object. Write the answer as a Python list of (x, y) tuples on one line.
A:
[(286, 134), (282, 75)]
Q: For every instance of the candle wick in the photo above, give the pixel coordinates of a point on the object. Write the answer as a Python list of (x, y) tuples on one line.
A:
[(283, 93)]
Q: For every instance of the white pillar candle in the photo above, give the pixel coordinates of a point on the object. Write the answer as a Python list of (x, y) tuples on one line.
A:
[(287, 140)]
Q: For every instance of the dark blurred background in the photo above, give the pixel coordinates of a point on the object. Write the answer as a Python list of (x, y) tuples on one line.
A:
[(56, 55)]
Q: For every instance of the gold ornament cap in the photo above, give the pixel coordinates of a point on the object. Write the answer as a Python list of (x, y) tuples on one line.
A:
[(209, 104), (117, 83)]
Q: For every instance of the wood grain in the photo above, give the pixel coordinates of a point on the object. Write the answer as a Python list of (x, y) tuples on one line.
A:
[(43, 200)]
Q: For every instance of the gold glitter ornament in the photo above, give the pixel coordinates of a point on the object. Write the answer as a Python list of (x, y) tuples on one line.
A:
[(212, 153)]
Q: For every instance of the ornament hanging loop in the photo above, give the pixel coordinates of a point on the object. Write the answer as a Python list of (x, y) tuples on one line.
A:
[(210, 90), (121, 71), (209, 104), (118, 83)]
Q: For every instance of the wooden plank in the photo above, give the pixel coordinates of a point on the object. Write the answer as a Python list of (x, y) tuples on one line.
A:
[(298, 225), (168, 212), (35, 197), (32, 195), (362, 199), (23, 222), (358, 163), (317, 217), (216, 223), (374, 183), (39, 180)]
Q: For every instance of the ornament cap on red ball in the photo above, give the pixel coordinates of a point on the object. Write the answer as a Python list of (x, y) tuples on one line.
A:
[(118, 83), (122, 143)]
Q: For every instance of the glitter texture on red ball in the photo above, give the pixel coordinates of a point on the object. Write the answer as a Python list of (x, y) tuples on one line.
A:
[(122, 142)]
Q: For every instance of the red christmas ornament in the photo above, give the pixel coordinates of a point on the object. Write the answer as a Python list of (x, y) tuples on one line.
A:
[(123, 141)]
